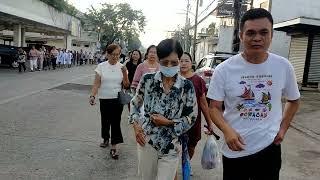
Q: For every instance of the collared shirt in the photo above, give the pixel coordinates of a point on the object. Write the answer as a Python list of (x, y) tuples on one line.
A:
[(142, 69), (34, 54), (179, 105), (54, 53)]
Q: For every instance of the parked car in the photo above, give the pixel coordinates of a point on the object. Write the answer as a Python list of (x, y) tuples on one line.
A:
[(8, 55), (208, 63)]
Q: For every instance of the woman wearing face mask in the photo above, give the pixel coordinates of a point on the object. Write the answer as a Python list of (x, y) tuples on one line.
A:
[(170, 109), (148, 66), (110, 76)]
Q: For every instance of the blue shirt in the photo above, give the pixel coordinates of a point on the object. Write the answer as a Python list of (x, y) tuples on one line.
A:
[(179, 105)]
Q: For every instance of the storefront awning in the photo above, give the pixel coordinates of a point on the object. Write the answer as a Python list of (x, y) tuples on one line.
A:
[(300, 24)]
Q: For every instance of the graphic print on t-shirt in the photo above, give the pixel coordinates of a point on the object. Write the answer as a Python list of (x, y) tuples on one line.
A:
[(256, 96)]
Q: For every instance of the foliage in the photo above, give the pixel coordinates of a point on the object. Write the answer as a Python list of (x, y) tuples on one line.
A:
[(134, 43), (62, 6), (212, 29), (116, 22)]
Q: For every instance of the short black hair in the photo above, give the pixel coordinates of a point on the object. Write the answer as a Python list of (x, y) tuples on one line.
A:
[(167, 46), (139, 52), (188, 54), (256, 13)]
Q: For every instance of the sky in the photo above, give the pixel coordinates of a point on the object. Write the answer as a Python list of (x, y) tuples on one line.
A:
[(161, 15)]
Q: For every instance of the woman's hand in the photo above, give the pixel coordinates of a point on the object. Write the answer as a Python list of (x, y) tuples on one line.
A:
[(125, 81), (139, 133), (124, 69), (159, 120)]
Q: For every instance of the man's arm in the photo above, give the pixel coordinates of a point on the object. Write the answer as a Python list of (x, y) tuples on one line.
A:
[(205, 110), (290, 109), (232, 138)]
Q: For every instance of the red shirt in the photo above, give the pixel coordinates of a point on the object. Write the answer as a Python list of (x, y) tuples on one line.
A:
[(200, 88)]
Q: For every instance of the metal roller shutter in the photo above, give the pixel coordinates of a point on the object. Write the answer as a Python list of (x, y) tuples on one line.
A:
[(297, 55), (314, 71)]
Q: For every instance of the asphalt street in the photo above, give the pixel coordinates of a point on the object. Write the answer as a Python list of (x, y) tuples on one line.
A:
[(48, 130)]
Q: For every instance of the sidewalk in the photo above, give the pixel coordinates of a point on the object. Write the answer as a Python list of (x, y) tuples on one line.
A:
[(307, 120)]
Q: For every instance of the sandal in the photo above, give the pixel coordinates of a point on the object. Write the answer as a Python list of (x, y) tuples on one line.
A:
[(113, 153)]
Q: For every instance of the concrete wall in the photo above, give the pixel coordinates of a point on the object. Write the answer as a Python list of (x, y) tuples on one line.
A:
[(258, 3), (40, 12), (280, 44), (57, 43), (204, 47), (81, 45), (89, 36), (92, 47), (225, 39), (200, 50), (280, 12), (284, 10)]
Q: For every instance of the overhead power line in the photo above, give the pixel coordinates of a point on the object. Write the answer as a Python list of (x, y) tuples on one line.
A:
[(207, 7), (218, 6)]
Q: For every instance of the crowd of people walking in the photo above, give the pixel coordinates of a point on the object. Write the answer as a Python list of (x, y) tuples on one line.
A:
[(245, 103), (50, 59)]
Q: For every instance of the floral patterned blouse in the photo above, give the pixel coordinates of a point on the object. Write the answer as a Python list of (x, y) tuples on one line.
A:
[(179, 105)]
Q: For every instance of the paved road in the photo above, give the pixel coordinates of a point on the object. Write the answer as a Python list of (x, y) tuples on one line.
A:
[(48, 131)]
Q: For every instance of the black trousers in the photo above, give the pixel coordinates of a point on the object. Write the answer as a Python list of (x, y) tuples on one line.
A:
[(46, 63), (264, 165), (54, 63), (22, 65), (111, 111)]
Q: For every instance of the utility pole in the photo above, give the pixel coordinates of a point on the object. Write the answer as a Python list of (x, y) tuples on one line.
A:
[(186, 30), (236, 14), (195, 33)]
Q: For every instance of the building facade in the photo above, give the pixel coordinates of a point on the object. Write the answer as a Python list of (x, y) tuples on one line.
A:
[(297, 35), (27, 22)]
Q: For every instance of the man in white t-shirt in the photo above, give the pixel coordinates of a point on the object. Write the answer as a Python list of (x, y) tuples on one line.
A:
[(251, 85)]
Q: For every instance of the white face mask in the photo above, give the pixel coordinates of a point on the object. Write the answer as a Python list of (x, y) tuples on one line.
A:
[(169, 71)]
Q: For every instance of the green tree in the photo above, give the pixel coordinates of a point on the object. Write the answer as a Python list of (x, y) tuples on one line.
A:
[(62, 6), (134, 43), (211, 30), (116, 22)]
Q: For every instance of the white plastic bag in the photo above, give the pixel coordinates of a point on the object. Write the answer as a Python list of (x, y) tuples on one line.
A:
[(210, 154), (15, 64)]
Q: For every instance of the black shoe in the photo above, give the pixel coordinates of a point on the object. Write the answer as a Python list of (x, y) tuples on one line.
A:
[(104, 144)]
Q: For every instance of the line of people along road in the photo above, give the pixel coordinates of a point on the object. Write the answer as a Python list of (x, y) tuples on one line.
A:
[(50, 59)]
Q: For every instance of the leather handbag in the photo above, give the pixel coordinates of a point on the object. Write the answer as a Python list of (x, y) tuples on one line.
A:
[(124, 96)]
